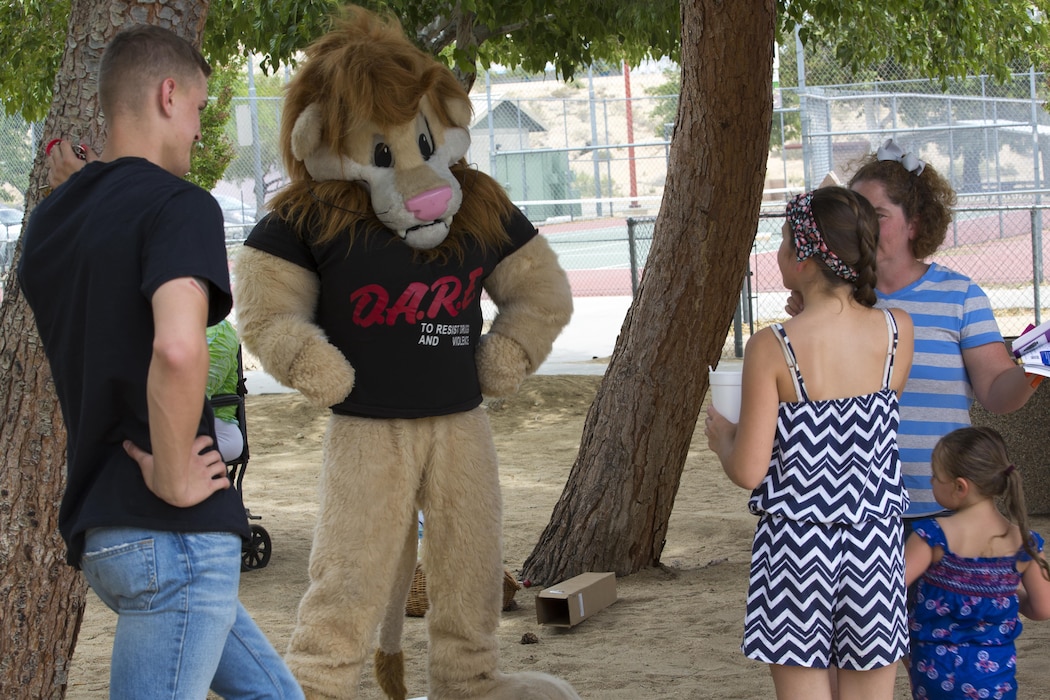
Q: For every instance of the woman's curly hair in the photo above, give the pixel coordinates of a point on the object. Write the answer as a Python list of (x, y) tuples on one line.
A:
[(926, 199)]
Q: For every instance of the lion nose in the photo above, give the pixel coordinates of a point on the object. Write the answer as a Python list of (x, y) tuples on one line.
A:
[(431, 204)]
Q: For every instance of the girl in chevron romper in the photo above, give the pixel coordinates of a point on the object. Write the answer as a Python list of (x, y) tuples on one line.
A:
[(817, 443), (975, 573), (959, 351)]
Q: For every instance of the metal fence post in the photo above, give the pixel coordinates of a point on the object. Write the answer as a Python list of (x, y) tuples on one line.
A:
[(1037, 260), (594, 142), (738, 327), (633, 254), (253, 107)]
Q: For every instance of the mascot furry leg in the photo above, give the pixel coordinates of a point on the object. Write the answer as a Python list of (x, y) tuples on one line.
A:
[(352, 573)]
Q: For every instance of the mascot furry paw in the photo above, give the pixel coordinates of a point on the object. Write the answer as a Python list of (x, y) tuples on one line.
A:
[(362, 289)]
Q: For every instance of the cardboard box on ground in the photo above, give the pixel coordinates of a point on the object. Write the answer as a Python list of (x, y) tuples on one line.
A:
[(572, 601)]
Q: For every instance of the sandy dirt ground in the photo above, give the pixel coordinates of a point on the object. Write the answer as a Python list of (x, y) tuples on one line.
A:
[(673, 634)]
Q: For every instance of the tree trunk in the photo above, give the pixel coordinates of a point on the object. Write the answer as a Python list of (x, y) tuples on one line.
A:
[(41, 598), (614, 511)]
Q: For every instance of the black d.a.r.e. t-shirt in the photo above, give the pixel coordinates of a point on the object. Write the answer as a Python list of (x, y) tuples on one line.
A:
[(409, 325)]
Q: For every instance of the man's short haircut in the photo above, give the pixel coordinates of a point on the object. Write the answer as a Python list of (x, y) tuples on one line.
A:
[(140, 56)]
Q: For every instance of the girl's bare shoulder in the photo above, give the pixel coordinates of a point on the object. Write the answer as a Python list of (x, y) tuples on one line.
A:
[(974, 537), (762, 343), (903, 319)]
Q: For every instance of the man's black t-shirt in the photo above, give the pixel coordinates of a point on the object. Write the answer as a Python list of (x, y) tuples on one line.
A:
[(408, 325), (94, 252)]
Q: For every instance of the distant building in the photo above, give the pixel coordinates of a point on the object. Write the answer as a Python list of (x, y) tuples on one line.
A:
[(505, 128), (500, 146)]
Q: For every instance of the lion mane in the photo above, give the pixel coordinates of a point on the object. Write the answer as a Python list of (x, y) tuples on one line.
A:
[(366, 73)]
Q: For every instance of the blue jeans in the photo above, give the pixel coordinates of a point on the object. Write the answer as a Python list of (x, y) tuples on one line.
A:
[(180, 627)]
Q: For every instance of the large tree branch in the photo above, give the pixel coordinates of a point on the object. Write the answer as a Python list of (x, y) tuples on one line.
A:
[(438, 34), (462, 29), (443, 31)]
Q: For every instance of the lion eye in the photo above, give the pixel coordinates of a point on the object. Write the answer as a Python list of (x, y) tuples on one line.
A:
[(382, 158), (426, 148)]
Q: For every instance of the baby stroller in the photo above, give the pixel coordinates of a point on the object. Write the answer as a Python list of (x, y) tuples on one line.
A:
[(255, 553)]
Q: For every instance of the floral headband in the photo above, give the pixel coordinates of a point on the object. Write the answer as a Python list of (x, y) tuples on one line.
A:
[(808, 239), (910, 161)]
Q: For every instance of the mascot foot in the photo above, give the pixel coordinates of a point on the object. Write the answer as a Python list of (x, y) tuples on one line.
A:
[(528, 685), (320, 683)]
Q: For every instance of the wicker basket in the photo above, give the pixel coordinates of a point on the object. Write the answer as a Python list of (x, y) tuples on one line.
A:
[(417, 603)]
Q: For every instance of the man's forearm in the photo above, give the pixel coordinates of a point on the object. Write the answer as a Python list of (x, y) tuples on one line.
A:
[(175, 394)]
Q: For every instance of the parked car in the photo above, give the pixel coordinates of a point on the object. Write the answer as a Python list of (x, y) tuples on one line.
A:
[(10, 229), (11, 222), (238, 216)]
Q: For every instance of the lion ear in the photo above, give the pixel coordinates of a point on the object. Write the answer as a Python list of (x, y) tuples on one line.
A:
[(306, 134), (459, 111)]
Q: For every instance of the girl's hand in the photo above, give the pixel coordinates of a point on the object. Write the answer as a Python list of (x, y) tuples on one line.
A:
[(721, 434), (64, 158), (794, 304), (709, 430)]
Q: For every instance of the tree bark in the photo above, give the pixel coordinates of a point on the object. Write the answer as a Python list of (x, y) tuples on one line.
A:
[(614, 511), (467, 48), (41, 598)]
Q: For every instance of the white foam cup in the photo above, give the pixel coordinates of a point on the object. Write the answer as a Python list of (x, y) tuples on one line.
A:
[(725, 392)]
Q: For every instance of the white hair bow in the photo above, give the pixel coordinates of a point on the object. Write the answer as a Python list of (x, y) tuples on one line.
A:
[(891, 151)]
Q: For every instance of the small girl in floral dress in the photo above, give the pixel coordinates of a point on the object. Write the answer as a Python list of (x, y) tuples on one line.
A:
[(975, 573)]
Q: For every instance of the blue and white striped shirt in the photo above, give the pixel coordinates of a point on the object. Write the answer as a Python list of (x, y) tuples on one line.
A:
[(950, 313)]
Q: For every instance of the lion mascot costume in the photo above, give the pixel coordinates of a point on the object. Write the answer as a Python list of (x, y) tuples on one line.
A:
[(361, 289)]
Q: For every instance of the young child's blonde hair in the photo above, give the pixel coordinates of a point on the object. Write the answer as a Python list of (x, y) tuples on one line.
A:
[(979, 455)]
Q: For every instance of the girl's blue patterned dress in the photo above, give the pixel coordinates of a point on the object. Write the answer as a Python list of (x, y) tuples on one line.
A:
[(964, 624)]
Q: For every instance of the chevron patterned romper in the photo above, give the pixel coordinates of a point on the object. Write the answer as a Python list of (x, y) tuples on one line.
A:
[(827, 563)]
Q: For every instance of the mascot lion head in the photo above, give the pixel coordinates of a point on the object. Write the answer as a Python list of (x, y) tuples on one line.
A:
[(375, 130)]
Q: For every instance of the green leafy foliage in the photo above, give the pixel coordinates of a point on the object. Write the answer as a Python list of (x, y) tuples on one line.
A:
[(530, 34), (665, 112), (936, 38), (215, 149), (274, 29), (573, 35), (32, 39), (33, 36)]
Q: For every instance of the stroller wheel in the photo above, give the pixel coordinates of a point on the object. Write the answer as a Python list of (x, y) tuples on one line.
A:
[(255, 554)]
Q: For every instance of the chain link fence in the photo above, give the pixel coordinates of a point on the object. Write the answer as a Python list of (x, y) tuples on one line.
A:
[(1001, 247), (587, 162)]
